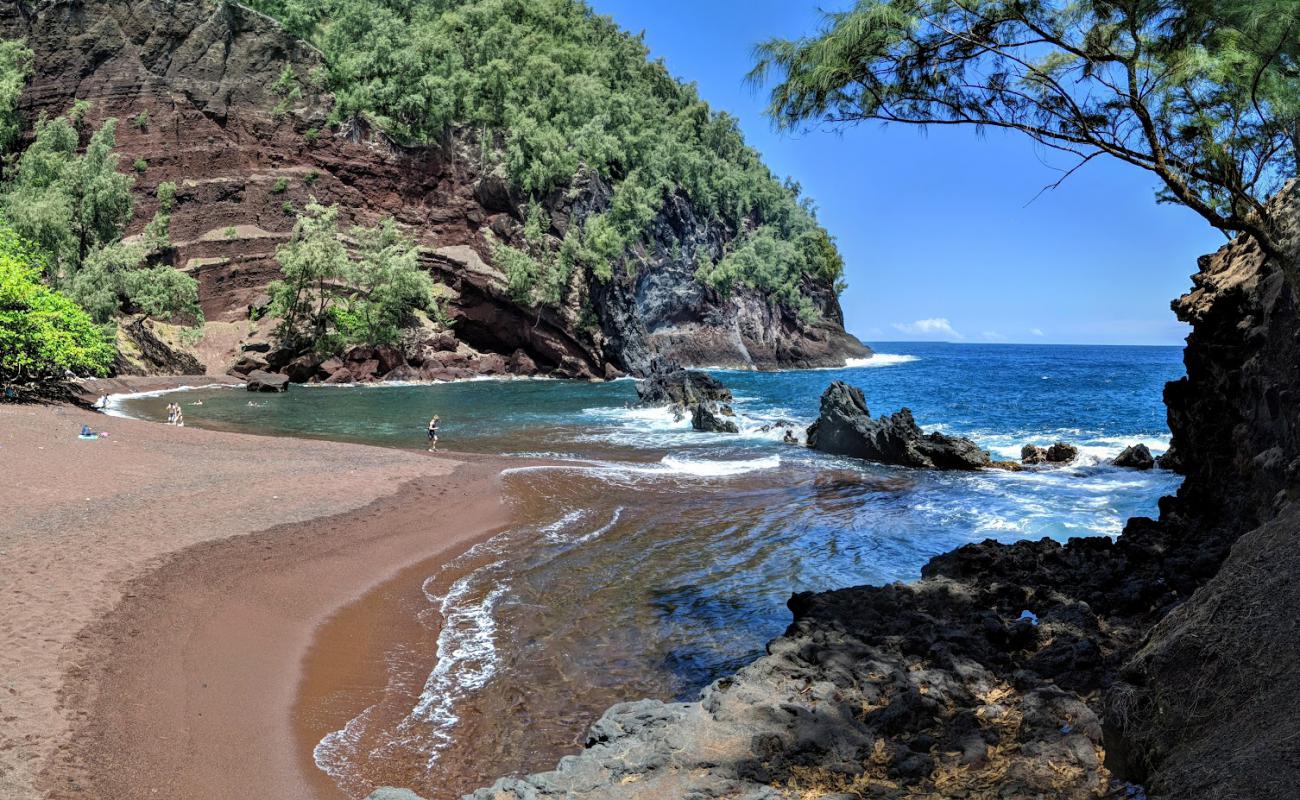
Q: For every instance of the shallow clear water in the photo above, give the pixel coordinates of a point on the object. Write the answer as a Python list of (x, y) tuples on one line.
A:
[(664, 560)]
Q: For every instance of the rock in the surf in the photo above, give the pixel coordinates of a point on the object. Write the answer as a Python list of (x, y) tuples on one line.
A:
[(685, 388), (259, 381), (846, 427), (689, 392), (1059, 453), (1136, 456), (713, 419)]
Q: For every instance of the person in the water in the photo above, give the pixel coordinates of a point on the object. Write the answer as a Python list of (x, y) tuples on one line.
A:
[(433, 433)]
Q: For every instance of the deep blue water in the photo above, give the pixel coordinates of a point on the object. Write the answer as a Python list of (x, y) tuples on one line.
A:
[(664, 560)]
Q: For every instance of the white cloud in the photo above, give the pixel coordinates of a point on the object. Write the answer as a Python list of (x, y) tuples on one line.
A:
[(935, 326), (1037, 331), (994, 336)]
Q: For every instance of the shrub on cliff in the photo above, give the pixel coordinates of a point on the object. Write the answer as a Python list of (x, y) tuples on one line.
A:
[(43, 334), (328, 299), (555, 90), (74, 206)]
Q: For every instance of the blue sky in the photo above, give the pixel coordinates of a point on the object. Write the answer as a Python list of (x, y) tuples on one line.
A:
[(937, 227)]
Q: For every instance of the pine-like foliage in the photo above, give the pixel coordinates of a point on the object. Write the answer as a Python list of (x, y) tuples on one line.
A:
[(1203, 93)]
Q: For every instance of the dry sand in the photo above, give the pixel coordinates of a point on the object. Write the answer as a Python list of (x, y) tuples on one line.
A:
[(148, 646)]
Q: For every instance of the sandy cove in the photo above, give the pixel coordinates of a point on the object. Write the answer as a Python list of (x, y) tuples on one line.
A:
[(151, 647)]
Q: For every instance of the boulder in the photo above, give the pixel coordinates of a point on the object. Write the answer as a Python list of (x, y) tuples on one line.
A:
[(365, 370), (261, 381), (303, 368), (1059, 453), (712, 419), (341, 375), (845, 427), (1136, 456), (248, 363), (389, 358), (1062, 453), (491, 364), (443, 341), (255, 347)]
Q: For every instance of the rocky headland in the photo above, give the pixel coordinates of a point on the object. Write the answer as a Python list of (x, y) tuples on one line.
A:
[(192, 84), (1161, 663)]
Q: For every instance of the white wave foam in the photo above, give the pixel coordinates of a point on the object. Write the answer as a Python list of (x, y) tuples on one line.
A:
[(554, 531), (467, 660), (603, 529), (879, 360), (708, 468)]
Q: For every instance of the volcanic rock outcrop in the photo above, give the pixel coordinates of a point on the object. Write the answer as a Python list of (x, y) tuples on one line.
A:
[(192, 82), (691, 393), (845, 427)]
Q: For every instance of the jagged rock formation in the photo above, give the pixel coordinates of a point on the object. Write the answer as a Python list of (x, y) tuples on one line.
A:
[(689, 393), (191, 82), (1169, 652), (845, 427), (1136, 456)]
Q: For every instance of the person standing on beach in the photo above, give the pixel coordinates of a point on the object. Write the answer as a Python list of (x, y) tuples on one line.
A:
[(433, 433)]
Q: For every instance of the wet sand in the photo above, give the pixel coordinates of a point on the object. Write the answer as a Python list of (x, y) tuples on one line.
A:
[(161, 588)]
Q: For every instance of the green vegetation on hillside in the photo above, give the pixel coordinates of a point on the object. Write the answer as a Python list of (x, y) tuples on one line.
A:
[(328, 300), (42, 333), (74, 206), (559, 90), (1203, 93)]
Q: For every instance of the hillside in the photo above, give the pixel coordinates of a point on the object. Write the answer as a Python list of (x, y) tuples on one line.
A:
[(555, 250)]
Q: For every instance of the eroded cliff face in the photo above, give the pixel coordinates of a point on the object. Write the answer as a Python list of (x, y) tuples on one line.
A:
[(192, 83), (1165, 658)]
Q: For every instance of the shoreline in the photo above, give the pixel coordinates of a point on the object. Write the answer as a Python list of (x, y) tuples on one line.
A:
[(153, 634)]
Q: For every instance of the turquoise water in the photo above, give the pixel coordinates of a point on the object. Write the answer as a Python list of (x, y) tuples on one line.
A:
[(664, 559)]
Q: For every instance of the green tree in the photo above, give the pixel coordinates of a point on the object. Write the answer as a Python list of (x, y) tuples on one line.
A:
[(386, 282), (313, 261), (1202, 93), (328, 299), (43, 334), (15, 69), (75, 207)]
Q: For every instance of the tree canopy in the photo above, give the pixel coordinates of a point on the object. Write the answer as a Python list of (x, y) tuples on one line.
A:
[(329, 299), (74, 205), (556, 90), (1205, 94), (43, 334)]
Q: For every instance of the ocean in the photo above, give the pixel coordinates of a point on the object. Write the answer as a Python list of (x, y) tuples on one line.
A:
[(661, 559)]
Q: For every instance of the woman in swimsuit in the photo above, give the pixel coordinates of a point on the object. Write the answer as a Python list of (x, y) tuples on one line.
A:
[(433, 434)]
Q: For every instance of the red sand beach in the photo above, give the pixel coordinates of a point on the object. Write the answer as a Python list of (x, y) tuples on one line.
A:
[(163, 590)]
